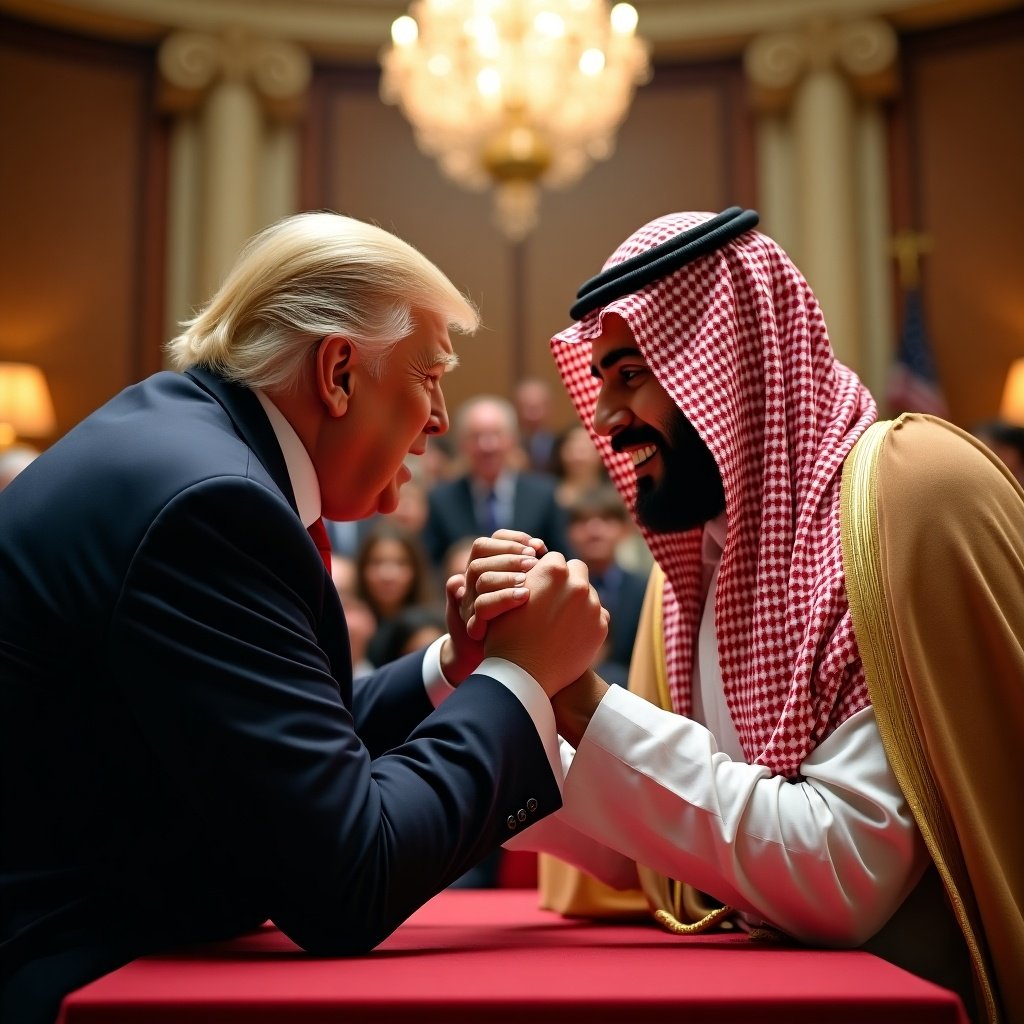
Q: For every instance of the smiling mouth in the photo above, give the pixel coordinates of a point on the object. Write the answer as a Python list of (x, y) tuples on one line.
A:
[(640, 456)]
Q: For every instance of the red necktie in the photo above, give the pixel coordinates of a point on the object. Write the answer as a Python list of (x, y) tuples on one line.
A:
[(318, 532)]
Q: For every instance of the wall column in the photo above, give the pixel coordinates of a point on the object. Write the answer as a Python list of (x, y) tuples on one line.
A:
[(236, 99), (817, 92)]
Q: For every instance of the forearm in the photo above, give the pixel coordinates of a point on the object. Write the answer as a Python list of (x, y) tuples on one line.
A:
[(827, 859), (575, 706)]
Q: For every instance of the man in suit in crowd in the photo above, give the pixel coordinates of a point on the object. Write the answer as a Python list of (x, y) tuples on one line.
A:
[(598, 523), (183, 753), (533, 414), (492, 493)]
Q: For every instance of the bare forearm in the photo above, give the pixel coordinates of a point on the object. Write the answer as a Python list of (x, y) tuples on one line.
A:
[(575, 705)]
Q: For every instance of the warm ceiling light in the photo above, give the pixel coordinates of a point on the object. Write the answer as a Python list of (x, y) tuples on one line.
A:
[(514, 93)]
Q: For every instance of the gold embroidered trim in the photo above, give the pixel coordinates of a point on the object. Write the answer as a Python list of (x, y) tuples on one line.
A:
[(879, 652), (658, 631)]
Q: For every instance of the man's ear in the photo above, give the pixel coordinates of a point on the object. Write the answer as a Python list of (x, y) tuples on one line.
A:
[(336, 359)]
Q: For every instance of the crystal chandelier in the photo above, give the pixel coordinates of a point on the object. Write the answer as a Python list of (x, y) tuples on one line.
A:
[(514, 93)]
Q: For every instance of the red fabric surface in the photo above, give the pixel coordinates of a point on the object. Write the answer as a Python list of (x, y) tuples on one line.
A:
[(475, 955), (517, 869)]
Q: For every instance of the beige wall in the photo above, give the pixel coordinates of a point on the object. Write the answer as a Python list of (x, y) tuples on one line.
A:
[(77, 243), (962, 148)]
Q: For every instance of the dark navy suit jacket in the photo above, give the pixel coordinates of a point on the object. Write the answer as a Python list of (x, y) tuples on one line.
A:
[(182, 751), (624, 604), (535, 511)]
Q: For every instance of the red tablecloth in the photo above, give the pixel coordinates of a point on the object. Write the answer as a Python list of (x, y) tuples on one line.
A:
[(482, 955)]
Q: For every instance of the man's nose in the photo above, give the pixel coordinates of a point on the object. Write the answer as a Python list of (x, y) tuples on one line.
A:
[(438, 421), (609, 418)]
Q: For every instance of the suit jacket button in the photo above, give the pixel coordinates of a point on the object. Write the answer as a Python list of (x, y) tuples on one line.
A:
[(512, 823), (531, 805), (522, 814)]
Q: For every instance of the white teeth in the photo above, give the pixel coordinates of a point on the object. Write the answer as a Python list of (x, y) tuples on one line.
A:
[(641, 455)]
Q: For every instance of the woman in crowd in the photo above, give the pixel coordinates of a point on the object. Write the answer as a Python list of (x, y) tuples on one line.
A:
[(392, 573), (577, 464)]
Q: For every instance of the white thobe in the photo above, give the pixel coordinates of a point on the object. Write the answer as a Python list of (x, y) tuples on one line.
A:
[(827, 859)]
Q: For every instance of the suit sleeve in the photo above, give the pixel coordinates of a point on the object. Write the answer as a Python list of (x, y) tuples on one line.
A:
[(389, 703), (214, 647)]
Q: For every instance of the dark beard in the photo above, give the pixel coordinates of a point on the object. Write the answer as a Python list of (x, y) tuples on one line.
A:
[(690, 492)]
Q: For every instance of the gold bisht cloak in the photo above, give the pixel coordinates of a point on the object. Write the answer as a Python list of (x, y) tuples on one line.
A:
[(933, 550)]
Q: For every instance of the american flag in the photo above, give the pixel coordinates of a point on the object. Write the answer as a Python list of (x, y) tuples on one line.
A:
[(913, 382)]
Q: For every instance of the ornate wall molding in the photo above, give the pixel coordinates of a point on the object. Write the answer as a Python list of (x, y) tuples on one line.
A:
[(191, 63), (864, 51)]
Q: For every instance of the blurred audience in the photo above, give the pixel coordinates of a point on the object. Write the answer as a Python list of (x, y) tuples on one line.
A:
[(392, 574), (598, 524), (410, 630), (492, 493), (576, 464), (343, 572), (346, 536), (455, 560), (533, 414), (439, 462), (359, 617), (411, 511)]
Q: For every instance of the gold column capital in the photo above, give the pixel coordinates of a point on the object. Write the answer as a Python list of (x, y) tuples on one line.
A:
[(191, 63), (862, 50)]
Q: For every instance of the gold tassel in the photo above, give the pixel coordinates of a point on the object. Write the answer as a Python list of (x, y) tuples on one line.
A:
[(676, 927)]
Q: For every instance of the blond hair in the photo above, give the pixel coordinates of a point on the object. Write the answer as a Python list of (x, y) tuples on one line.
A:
[(308, 276)]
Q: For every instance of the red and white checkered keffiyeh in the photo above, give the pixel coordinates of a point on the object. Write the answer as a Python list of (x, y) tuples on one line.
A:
[(738, 341)]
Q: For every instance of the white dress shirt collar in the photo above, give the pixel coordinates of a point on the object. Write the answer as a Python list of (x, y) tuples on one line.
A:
[(301, 472)]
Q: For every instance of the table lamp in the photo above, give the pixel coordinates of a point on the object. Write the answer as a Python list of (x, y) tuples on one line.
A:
[(26, 409), (1011, 409)]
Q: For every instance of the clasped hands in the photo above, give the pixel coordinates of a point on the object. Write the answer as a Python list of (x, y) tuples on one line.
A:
[(520, 602)]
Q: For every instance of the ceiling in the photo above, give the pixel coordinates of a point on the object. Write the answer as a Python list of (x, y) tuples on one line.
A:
[(355, 30)]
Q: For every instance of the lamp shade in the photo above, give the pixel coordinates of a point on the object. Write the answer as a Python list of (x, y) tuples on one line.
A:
[(26, 409), (1011, 409)]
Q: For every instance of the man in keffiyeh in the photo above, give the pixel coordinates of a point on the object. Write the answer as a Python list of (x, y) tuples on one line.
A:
[(827, 691)]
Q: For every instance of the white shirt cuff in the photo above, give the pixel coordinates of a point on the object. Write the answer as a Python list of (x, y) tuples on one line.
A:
[(438, 688), (523, 686)]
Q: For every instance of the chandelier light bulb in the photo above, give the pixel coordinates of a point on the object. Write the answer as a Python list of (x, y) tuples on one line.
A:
[(624, 19), (515, 94), (404, 31), (592, 62)]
